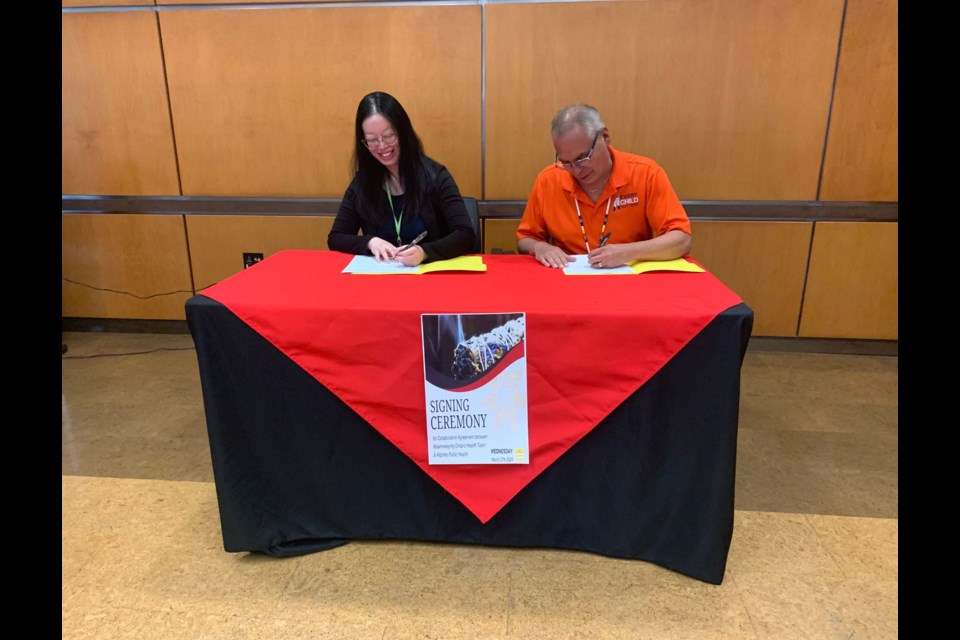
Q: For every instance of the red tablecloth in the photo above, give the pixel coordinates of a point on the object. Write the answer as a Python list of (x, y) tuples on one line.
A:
[(590, 342)]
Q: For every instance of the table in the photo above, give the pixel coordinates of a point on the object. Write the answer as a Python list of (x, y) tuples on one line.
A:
[(317, 439)]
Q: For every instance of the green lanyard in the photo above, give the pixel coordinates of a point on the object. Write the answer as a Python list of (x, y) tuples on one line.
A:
[(396, 218)]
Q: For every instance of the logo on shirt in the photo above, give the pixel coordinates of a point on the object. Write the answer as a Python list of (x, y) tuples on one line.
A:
[(628, 200)]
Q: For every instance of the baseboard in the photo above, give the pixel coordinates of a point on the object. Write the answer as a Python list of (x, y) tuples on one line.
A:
[(123, 325), (839, 346)]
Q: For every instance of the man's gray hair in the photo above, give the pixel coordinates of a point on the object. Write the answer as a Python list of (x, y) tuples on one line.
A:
[(576, 115)]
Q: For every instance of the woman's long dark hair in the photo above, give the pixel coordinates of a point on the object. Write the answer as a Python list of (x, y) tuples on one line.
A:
[(372, 174)]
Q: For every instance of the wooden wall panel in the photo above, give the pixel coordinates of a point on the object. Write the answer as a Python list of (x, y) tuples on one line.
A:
[(863, 151), (264, 101), (500, 235), (127, 3), (143, 255), (115, 123), (763, 262), (852, 288), (217, 243), (105, 3), (163, 2), (730, 97)]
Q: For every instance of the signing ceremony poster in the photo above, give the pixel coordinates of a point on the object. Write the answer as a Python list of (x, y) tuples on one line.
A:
[(475, 381)]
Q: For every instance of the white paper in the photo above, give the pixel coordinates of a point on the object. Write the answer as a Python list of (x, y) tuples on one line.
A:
[(581, 267), (369, 264)]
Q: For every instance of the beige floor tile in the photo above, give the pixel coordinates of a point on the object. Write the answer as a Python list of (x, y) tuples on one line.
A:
[(788, 606), (823, 377), (808, 472), (410, 589), (798, 413), (282, 629), (152, 415), (111, 455), (98, 623), (157, 544), (86, 343), (76, 554), (135, 416), (134, 507), (102, 623), (861, 546), (567, 595), (778, 542), (171, 575), (809, 576), (461, 627)]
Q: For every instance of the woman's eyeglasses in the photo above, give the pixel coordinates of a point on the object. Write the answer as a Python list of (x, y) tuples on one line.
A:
[(384, 141)]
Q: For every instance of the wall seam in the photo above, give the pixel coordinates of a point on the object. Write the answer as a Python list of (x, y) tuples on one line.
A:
[(833, 95)]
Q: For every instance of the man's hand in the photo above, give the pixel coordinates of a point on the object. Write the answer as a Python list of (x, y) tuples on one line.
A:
[(381, 249), (551, 256), (673, 244), (545, 253), (609, 256)]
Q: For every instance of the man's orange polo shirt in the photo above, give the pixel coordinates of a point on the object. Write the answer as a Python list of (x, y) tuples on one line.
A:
[(643, 205)]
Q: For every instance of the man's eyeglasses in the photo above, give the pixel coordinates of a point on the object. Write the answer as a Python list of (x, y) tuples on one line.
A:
[(384, 141), (579, 162)]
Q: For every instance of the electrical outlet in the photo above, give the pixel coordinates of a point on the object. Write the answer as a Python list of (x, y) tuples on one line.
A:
[(250, 259)]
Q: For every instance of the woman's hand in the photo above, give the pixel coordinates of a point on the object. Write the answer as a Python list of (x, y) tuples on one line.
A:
[(381, 249), (412, 256)]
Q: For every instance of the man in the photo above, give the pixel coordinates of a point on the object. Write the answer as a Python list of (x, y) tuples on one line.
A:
[(614, 206)]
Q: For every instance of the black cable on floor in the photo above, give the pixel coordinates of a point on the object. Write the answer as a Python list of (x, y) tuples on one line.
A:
[(129, 353)]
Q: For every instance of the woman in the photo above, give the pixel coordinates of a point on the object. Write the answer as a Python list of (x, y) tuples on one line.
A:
[(398, 193)]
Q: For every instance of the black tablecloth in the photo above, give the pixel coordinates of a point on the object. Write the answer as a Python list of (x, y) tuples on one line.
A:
[(297, 471)]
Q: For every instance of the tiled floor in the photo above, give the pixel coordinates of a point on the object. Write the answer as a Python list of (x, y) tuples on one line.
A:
[(814, 551)]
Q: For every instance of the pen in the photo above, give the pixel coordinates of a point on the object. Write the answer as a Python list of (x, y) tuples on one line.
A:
[(415, 242), (603, 239)]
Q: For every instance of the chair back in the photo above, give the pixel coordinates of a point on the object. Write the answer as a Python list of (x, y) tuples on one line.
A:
[(474, 212)]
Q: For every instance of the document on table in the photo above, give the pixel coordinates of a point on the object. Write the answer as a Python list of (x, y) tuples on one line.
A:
[(580, 267), (368, 265), (665, 265)]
